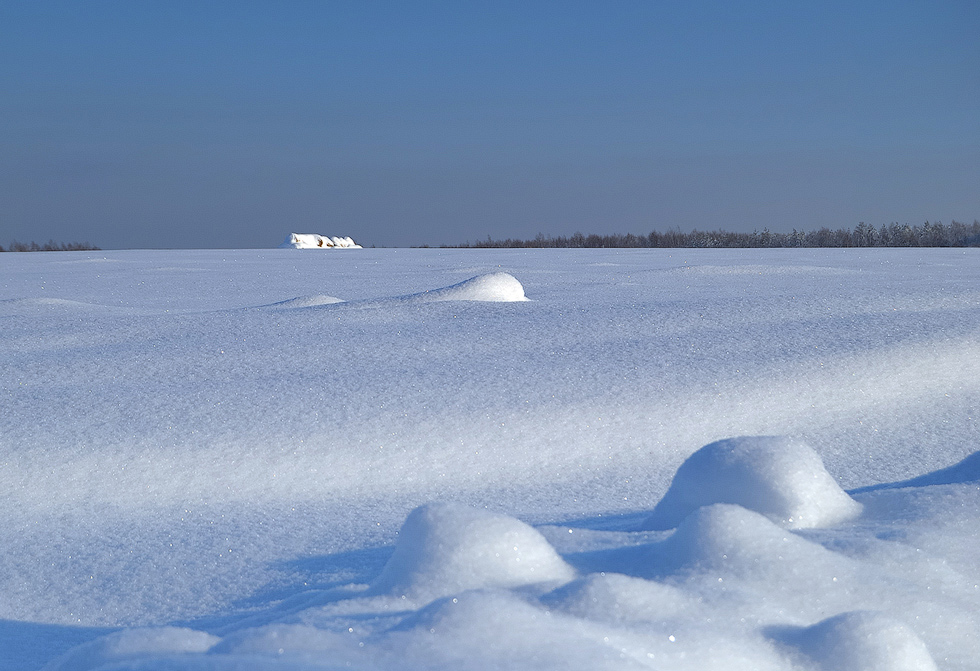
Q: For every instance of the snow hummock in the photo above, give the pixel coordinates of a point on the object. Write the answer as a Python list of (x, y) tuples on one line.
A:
[(781, 478), (862, 641), (738, 540), (316, 241), (496, 287), (445, 548), (617, 597)]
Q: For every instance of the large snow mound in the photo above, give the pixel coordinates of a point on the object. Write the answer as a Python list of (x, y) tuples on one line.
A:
[(781, 478), (862, 641), (315, 241), (445, 548)]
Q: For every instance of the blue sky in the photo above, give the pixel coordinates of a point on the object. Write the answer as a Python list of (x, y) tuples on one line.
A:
[(231, 124)]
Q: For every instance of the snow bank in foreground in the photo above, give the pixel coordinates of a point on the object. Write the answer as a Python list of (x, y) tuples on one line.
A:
[(468, 588), (445, 548), (778, 477), (314, 241)]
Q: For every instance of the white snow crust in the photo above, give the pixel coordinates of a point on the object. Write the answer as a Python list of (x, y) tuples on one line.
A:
[(693, 460)]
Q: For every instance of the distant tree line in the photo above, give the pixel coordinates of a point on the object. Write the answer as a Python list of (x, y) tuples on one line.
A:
[(955, 234), (49, 246)]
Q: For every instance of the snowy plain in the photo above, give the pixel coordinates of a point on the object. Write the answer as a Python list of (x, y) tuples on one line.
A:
[(207, 459)]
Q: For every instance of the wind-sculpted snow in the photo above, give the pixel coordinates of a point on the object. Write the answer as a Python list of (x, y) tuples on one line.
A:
[(313, 300), (726, 537), (493, 287), (191, 482), (780, 478), (447, 548), (965, 471), (489, 288), (468, 588), (472, 569)]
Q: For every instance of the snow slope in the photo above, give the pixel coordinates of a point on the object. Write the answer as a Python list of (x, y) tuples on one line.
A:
[(616, 459)]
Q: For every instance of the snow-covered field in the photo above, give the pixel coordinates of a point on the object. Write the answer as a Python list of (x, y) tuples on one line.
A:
[(206, 458)]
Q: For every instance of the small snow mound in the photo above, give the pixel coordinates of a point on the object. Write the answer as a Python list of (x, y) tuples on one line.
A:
[(614, 597), (780, 478), (730, 537), (314, 241), (865, 641), (133, 644), (445, 548), (494, 287)]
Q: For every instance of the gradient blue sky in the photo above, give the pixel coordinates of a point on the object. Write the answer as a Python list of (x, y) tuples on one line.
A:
[(231, 124)]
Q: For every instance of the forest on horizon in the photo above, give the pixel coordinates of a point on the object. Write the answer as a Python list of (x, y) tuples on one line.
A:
[(929, 234)]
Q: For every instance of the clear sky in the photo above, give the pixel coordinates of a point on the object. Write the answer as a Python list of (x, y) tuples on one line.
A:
[(232, 124)]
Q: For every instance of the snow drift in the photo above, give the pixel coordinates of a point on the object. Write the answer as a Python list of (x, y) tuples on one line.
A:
[(492, 287), (496, 287)]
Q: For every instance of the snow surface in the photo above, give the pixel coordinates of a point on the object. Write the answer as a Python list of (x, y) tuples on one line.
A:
[(394, 459)]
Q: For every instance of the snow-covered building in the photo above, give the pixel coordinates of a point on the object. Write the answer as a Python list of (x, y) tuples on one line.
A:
[(314, 241)]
